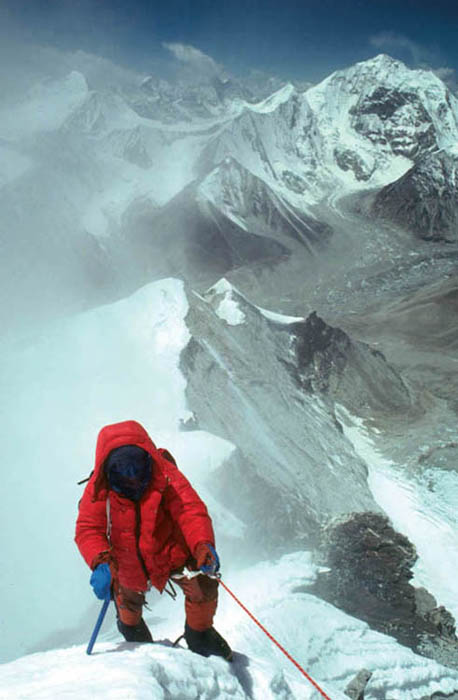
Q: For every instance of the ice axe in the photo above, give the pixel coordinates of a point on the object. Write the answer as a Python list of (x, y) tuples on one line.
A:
[(98, 625)]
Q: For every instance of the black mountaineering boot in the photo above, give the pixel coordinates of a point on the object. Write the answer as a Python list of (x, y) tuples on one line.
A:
[(135, 633), (207, 643)]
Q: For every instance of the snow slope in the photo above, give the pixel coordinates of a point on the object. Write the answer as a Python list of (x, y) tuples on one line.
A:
[(114, 363), (121, 361), (331, 647)]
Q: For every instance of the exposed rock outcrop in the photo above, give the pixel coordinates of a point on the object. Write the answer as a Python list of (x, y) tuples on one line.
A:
[(425, 199), (356, 375), (369, 574), (397, 117), (348, 159)]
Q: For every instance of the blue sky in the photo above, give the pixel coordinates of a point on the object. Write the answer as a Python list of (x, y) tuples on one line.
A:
[(298, 39)]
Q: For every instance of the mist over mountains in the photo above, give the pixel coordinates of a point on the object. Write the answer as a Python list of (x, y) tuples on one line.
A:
[(311, 327), (113, 167)]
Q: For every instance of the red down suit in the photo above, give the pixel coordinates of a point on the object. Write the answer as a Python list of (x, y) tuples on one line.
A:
[(149, 539)]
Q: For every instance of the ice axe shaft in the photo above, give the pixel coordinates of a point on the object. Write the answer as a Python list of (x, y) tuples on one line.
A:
[(98, 625)]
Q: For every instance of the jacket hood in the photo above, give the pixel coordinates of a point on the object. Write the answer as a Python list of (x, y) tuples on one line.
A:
[(125, 433)]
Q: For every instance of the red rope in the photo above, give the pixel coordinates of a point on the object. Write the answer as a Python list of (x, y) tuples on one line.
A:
[(275, 641)]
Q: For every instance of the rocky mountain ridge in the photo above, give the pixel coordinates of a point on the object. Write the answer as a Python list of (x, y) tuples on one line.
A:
[(229, 333), (369, 573), (425, 199)]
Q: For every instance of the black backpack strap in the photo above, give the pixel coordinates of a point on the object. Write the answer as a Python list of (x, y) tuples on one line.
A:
[(83, 481)]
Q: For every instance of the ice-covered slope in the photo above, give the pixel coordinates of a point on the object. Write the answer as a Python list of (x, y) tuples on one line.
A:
[(275, 141), (329, 645)]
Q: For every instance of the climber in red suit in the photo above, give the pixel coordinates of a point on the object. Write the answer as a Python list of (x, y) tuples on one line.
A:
[(140, 523)]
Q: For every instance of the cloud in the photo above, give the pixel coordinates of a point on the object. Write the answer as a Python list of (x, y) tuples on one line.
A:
[(194, 58), (398, 43), (448, 76)]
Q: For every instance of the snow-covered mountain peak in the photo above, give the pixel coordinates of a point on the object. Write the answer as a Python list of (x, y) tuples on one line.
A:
[(231, 305), (224, 298), (272, 102), (382, 67), (383, 60), (226, 181), (235, 190), (189, 99), (268, 209), (101, 112), (378, 117)]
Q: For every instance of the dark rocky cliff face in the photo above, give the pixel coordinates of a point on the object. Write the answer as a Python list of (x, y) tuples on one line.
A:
[(370, 569), (330, 363), (387, 115), (425, 199)]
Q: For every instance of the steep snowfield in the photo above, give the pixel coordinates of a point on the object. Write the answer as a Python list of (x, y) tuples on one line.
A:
[(114, 363), (331, 647)]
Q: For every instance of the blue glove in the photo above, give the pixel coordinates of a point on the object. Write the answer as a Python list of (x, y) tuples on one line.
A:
[(101, 581), (207, 559)]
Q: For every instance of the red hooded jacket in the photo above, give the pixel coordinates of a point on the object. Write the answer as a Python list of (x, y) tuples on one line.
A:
[(152, 537)]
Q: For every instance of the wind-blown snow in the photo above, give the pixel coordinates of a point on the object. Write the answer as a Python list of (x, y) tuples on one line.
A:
[(272, 102), (114, 363), (12, 165), (46, 107)]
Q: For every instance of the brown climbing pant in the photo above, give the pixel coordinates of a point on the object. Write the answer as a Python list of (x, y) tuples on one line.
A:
[(201, 599)]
